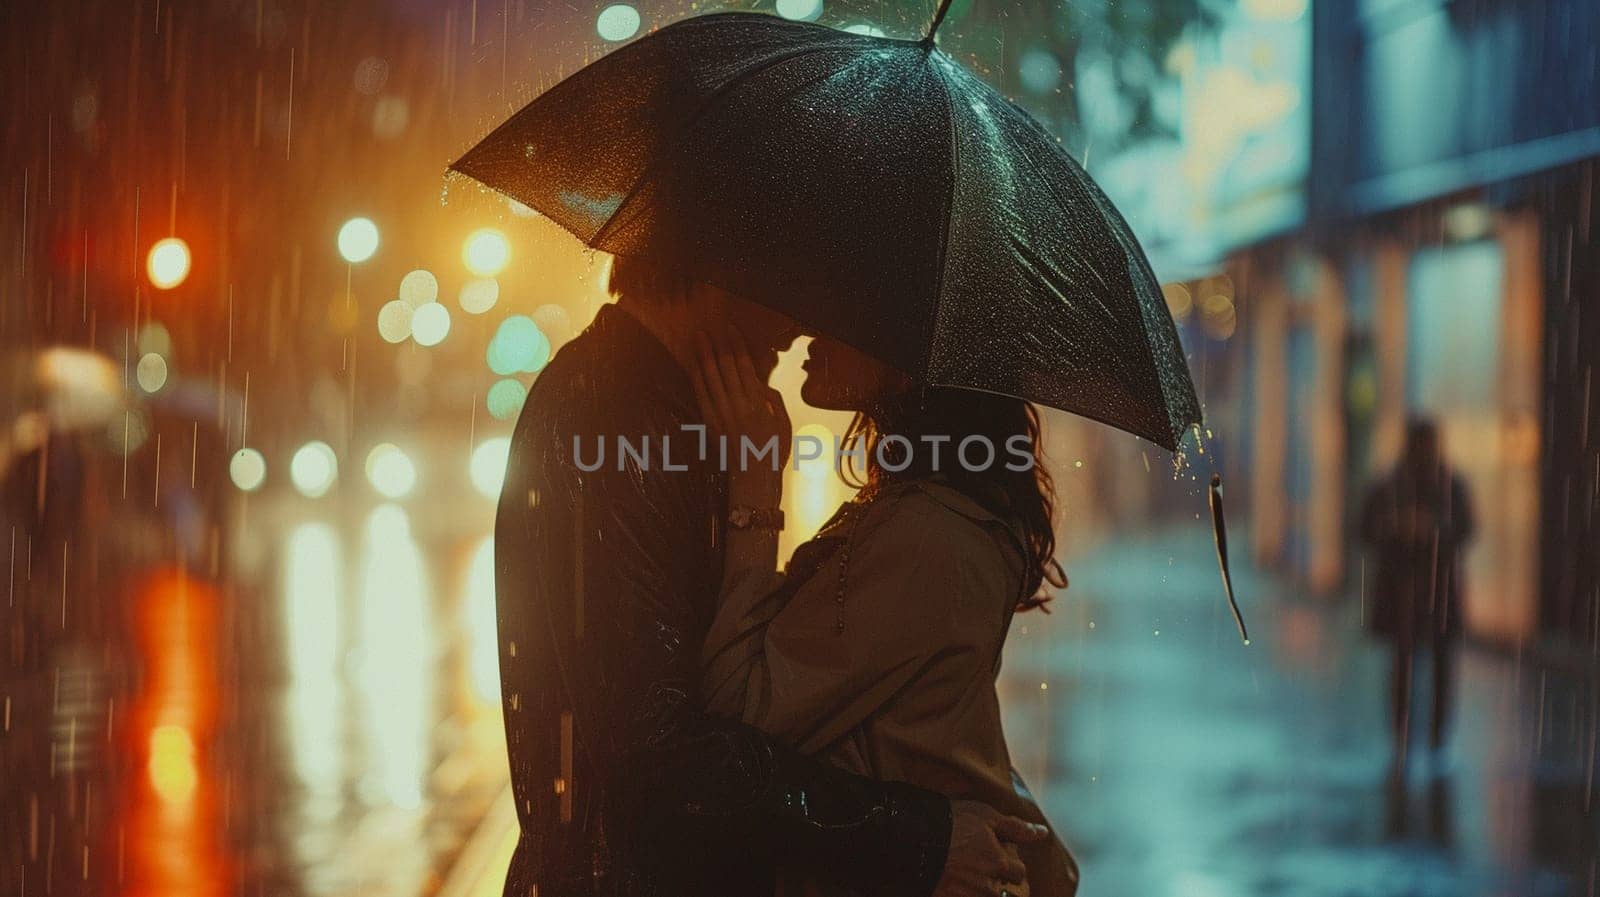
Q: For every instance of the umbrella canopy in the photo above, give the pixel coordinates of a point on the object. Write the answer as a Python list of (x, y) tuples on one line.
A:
[(871, 188)]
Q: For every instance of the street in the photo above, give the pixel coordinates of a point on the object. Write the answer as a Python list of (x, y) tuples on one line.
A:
[(1179, 762), (1176, 761)]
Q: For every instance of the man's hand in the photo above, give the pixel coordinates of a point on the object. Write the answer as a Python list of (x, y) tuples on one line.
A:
[(978, 864), (739, 404)]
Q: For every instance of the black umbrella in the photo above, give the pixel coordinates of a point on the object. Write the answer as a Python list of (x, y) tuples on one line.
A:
[(869, 187)]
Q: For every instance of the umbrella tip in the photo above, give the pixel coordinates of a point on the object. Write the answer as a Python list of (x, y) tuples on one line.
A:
[(938, 19)]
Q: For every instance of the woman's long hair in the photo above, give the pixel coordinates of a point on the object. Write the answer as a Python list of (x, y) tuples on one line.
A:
[(952, 415)]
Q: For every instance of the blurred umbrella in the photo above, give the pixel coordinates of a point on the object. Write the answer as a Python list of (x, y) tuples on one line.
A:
[(869, 187), (76, 389)]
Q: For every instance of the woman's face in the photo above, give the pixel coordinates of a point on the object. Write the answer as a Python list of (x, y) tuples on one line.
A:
[(842, 378)]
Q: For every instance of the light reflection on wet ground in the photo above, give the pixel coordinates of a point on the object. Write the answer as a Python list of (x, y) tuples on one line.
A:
[(325, 733), (334, 733), (1178, 761)]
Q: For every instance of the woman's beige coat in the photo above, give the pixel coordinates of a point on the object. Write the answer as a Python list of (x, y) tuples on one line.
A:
[(881, 654)]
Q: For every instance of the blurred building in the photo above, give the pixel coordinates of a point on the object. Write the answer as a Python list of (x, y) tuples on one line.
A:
[(1372, 209), (1434, 254)]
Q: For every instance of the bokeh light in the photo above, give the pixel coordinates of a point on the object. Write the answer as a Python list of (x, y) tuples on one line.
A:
[(358, 240), (505, 399), (554, 322), (247, 469), (390, 116), (313, 469), (518, 346), (153, 337), (617, 22), (800, 10), (418, 288), (430, 324), (864, 28), (1039, 70), (479, 295), (371, 74), (486, 252), (488, 465), (1218, 316), (151, 372), (171, 765), (390, 471), (168, 264), (1179, 300), (394, 321)]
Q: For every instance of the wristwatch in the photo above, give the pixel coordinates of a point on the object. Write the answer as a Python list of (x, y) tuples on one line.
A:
[(745, 517)]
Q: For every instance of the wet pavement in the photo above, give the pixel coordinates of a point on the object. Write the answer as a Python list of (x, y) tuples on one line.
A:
[(325, 723), (332, 731), (1178, 761)]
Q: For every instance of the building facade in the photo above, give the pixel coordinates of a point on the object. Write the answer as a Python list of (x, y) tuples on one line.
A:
[(1445, 267)]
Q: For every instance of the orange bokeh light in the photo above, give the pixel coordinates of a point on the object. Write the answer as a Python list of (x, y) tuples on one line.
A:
[(168, 263), (172, 824)]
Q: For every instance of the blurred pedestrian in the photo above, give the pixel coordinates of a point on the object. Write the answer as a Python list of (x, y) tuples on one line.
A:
[(1417, 520)]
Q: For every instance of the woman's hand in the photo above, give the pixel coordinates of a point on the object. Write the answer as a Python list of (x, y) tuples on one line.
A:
[(739, 405)]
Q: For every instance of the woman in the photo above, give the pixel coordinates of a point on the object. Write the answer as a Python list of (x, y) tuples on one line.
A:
[(879, 647)]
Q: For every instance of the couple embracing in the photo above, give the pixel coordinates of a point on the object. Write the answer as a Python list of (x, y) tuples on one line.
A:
[(685, 720)]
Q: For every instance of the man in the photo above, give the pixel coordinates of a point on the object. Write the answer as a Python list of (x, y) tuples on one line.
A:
[(1418, 520), (608, 560)]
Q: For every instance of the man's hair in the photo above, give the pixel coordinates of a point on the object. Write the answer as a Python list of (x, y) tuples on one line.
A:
[(640, 280)]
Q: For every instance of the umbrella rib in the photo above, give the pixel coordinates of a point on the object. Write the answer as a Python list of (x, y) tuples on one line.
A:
[(949, 211), (699, 113), (1135, 262)]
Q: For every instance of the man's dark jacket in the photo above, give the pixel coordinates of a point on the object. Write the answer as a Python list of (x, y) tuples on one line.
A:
[(606, 580)]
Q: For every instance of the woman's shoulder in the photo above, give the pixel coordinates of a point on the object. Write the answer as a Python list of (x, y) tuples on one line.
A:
[(936, 517)]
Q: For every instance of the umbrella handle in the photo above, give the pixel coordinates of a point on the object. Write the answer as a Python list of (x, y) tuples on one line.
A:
[(1219, 529)]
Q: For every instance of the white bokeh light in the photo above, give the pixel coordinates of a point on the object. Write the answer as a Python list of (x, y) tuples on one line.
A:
[(617, 22), (168, 263), (554, 323), (358, 240), (430, 324), (314, 468), (488, 465), (390, 471), (418, 288), (394, 321), (486, 252), (479, 295), (247, 469), (800, 10), (151, 372)]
